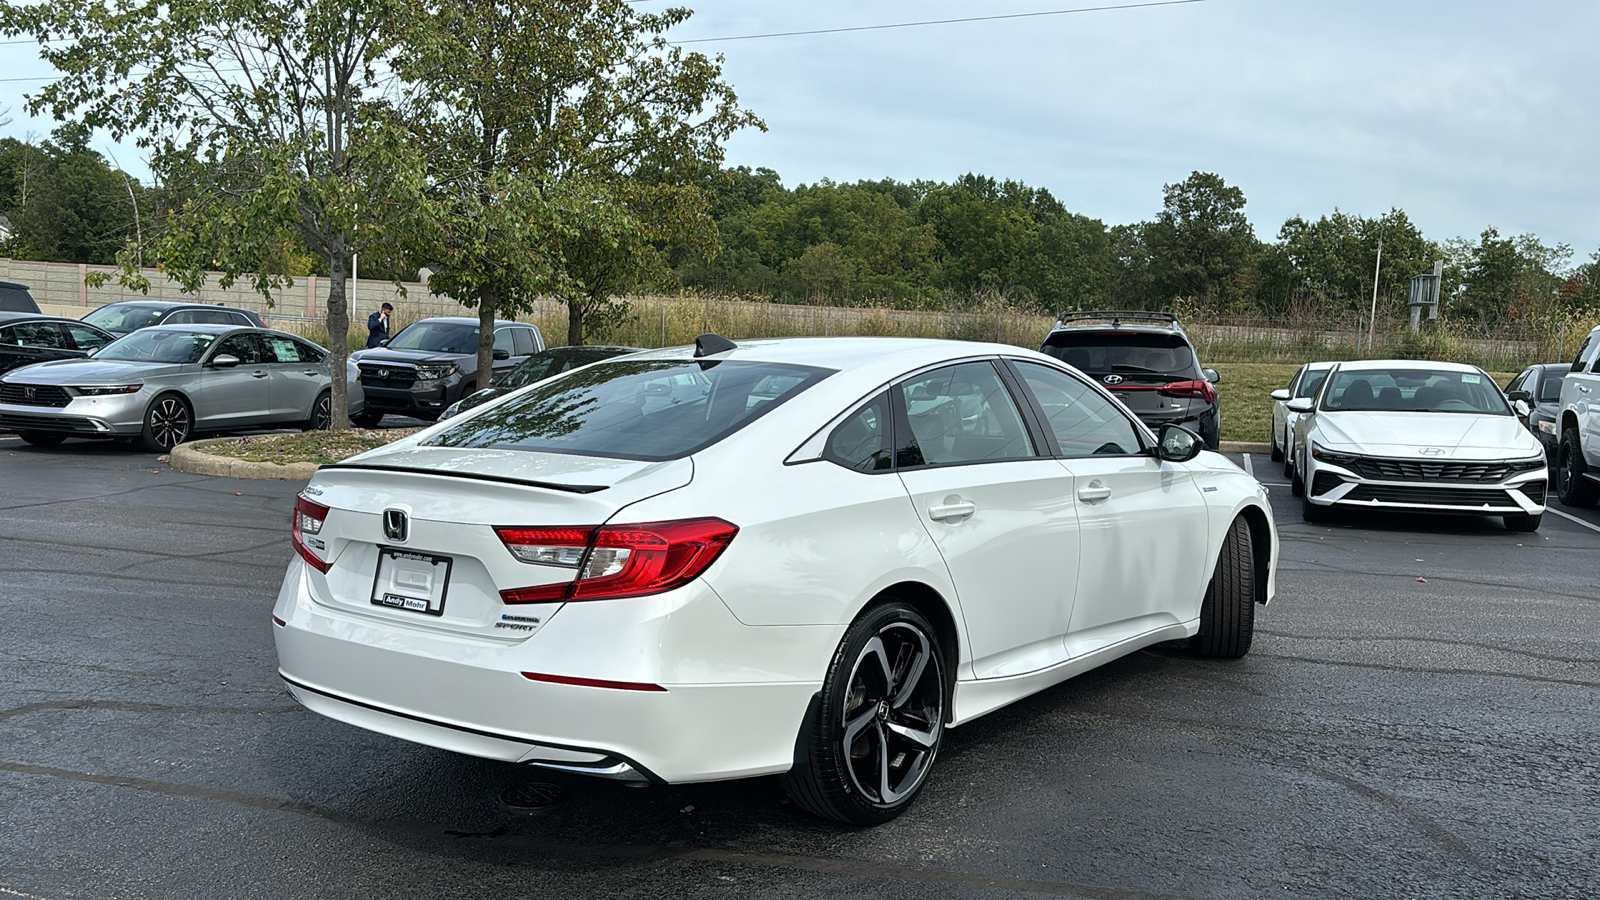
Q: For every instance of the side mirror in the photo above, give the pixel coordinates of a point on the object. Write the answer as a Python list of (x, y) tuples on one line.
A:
[(1521, 407), (1302, 405), (1212, 375), (1178, 444), (1524, 396), (1281, 394), (502, 354), (384, 342), (224, 361)]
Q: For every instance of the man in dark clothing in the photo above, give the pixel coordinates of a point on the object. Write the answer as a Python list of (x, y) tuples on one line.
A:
[(378, 326)]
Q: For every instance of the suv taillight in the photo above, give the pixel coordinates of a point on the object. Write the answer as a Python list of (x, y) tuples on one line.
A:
[(616, 561), (308, 519), (1199, 389)]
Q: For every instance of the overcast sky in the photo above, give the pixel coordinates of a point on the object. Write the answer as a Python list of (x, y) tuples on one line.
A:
[(1464, 113)]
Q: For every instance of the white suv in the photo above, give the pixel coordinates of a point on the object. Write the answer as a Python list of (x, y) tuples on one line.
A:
[(1578, 463)]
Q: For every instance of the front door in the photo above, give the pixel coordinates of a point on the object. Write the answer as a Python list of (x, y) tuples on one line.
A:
[(999, 510), (1142, 524), (232, 397)]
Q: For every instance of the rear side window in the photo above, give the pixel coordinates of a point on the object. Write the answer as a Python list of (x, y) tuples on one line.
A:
[(864, 441), (523, 339), (635, 409), (1124, 353)]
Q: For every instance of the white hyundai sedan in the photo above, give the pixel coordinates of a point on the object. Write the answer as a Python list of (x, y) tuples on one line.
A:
[(1416, 436), (802, 557)]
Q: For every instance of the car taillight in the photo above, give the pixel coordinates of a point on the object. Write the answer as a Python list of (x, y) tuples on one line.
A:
[(617, 561), (308, 519), (1199, 389)]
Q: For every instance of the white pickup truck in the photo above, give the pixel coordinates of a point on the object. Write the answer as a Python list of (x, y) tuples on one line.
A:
[(1578, 463)]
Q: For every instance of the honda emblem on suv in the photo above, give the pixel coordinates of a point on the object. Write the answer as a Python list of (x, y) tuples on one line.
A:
[(30, 393), (395, 525), (1112, 379)]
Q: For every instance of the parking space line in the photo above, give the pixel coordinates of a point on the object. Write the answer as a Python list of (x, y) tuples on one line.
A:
[(1572, 518), (1249, 469)]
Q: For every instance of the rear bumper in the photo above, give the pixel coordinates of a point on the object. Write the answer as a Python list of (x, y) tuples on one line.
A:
[(734, 699)]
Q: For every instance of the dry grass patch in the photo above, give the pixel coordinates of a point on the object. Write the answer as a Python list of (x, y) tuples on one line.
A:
[(320, 447)]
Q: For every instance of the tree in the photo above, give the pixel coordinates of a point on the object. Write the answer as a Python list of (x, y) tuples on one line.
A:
[(531, 112), (65, 203), (1201, 245), (281, 100), (1331, 260)]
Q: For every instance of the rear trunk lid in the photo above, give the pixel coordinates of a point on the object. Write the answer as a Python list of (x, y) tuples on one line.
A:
[(410, 531)]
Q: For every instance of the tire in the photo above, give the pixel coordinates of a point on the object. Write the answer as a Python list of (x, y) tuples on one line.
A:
[(41, 438), (1297, 485), (366, 419), (1523, 523), (1571, 485), (882, 707), (1312, 512), (1228, 613), (321, 418), (1277, 451), (168, 422), (1288, 460)]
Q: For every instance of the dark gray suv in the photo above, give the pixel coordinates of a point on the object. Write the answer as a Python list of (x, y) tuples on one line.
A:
[(1147, 361), (432, 363)]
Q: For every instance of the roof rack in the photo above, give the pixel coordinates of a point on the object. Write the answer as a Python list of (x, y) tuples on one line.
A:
[(1116, 316)]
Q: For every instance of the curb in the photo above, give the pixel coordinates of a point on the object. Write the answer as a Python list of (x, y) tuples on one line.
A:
[(1243, 447), (191, 458)]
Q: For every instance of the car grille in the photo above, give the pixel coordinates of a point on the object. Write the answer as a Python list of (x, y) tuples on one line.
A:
[(1388, 493), (380, 376), (1380, 469), (34, 395)]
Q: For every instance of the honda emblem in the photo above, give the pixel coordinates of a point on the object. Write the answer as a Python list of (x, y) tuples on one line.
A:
[(30, 393), (396, 526)]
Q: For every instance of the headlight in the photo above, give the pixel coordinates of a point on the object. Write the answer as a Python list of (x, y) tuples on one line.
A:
[(102, 390), (1323, 454), (1527, 465), (430, 373), (1547, 427)]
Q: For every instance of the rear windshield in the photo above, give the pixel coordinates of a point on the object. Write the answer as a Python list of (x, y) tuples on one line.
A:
[(125, 317), (635, 409), (1414, 390), (163, 345), (437, 337), (1123, 352)]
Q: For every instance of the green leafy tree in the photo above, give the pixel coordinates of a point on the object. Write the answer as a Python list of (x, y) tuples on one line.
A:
[(65, 203), (1331, 261), (282, 100), (532, 112), (1201, 246)]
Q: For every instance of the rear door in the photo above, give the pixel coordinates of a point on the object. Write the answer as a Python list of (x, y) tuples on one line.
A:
[(1142, 523), (294, 374), (999, 509)]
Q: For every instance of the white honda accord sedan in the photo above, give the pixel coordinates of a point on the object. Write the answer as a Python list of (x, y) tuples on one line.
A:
[(803, 557), (1419, 437)]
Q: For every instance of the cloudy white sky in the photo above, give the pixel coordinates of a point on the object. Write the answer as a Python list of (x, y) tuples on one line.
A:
[(1464, 113)]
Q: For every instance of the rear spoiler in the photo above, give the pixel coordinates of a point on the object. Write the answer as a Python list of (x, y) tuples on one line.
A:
[(410, 470), (1116, 317)]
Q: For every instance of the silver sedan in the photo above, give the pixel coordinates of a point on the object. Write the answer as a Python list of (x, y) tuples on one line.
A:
[(159, 386)]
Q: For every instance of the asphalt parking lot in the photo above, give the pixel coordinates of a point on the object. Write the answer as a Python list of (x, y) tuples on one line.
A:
[(1419, 718)]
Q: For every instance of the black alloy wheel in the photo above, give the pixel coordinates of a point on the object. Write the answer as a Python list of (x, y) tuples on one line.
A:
[(41, 438), (321, 413), (879, 723), (167, 423)]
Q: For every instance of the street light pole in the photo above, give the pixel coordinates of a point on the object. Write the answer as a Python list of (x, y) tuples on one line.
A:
[(1372, 320)]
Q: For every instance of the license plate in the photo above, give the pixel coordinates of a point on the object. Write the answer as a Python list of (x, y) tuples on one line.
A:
[(410, 581)]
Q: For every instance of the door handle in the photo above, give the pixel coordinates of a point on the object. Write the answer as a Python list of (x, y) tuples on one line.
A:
[(1094, 492), (258, 374), (1584, 388), (309, 372), (957, 510)]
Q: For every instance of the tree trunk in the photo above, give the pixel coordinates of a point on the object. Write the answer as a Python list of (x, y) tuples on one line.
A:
[(488, 306), (575, 321), (339, 332)]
